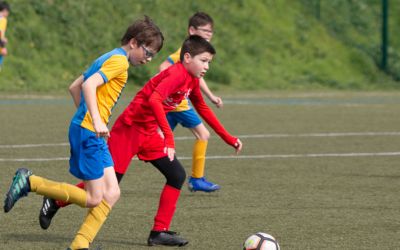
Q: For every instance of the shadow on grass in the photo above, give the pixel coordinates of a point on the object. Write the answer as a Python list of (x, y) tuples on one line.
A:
[(24, 237)]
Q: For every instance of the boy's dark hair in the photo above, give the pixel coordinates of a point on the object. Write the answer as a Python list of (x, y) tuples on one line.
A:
[(200, 19), (4, 6), (145, 32), (195, 45)]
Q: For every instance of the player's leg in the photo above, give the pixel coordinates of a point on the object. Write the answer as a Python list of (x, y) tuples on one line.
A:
[(197, 181), (107, 186), (3, 53), (122, 148), (24, 182), (175, 176), (50, 207), (96, 216), (82, 165)]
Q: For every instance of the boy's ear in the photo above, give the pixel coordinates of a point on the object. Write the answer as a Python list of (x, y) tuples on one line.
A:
[(187, 57), (133, 43), (192, 30)]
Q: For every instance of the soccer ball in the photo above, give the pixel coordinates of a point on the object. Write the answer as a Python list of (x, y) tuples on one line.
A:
[(261, 241)]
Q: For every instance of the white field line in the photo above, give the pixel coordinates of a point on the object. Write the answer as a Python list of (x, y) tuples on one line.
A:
[(239, 157), (183, 138), (62, 144)]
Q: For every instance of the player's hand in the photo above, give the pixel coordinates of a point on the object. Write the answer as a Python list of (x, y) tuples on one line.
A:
[(238, 146), (217, 101), (3, 51), (101, 129), (170, 152)]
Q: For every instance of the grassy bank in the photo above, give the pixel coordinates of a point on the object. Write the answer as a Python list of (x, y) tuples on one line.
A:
[(260, 44)]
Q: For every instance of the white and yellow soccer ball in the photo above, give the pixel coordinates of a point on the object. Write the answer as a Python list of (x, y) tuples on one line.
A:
[(261, 241)]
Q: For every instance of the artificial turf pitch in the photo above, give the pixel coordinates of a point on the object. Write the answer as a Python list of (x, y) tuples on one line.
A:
[(318, 171)]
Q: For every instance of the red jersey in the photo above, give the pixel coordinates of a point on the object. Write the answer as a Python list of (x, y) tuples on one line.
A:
[(162, 94)]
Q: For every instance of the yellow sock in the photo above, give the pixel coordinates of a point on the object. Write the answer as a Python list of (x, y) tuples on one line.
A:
[(58, 190), (199, 158), (91, 225)]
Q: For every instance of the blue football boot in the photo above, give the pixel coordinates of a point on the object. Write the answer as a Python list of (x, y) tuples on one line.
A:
[(201, 184), (19, 188)]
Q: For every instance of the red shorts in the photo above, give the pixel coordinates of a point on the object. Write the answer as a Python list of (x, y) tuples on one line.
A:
[(126, 141)]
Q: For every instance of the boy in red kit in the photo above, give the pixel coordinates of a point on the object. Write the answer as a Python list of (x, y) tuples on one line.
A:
[(143, 130)]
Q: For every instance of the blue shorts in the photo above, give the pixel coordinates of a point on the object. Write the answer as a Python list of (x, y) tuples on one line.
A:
[(89, 154), (187, 118)]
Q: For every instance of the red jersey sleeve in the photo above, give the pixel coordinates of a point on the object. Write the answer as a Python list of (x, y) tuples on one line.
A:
[(171, 82), (208, 115), (156, 105)]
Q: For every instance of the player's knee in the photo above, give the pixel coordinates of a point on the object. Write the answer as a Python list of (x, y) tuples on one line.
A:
[(177, 179), (112, 195), (93, 201), (204, 135)]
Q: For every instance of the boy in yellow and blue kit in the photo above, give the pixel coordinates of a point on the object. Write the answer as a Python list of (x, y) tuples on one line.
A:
[(200, 24), (95, 93), (4, 12)]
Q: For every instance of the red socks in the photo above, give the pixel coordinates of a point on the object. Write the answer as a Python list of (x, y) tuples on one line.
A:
[(166, 208)]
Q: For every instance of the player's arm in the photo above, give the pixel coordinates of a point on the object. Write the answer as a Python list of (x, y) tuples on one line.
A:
[(208, 115), (173, 58), (75, 90), (164, 65), (89, 92), (213, 98), (3, 38), (155, 102), (3, 42)]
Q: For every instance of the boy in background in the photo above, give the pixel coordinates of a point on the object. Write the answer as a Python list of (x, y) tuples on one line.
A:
[(95, 93), (200, 24), (4, 12)]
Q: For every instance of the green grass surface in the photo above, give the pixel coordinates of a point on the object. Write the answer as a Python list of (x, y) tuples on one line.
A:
[(298, 193)]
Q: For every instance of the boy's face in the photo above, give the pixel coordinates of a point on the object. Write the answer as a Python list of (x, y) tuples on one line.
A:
[(4, 13), (205, 31), (140, 54), (198, 65)]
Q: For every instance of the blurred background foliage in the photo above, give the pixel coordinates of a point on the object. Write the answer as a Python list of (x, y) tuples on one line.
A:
[(261, 44)]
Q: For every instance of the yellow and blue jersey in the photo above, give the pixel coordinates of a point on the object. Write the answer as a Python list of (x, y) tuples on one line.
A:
[(113, 67), (3, 26), (174, 58)]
